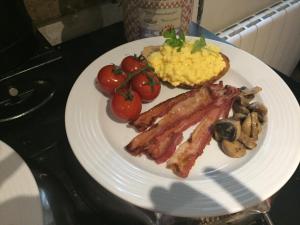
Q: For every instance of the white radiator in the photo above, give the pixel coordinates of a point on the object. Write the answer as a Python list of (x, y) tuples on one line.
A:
[(272, 35)]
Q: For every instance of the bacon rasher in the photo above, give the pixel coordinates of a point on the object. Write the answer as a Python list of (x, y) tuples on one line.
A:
[(146, 119), (163, 146), (186, 154), (159, 142), (180, 111)]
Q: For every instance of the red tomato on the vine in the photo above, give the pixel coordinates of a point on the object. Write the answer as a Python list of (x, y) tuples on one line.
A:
[(126, 105), (109, 78), (147, 85), (132, 63)]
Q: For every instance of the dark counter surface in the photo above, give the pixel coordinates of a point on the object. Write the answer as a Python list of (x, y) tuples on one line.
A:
[(80, 52)]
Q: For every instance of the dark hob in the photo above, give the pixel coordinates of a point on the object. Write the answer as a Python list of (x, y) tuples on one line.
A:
[(32, 105), (32, 100)]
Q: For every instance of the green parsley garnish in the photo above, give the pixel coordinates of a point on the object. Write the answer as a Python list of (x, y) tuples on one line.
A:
[(199, 44), (177, 40), (174, 40)]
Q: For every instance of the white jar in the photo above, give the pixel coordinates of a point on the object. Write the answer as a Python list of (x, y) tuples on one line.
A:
[(146, 18)]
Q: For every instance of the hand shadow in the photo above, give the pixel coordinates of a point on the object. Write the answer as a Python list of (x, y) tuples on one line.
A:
[(177, 200), (242, 194), (21, 209), (180, 195), (8, 166)]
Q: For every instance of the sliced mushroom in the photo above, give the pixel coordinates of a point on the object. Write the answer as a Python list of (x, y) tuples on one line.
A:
[(238, 108), (233, 149), (250, 91), (255, 125), (249, 142), (241, 131), (260, 108), (239, 116), (251, 125), (246, 125), (228, 129), (244, 100)]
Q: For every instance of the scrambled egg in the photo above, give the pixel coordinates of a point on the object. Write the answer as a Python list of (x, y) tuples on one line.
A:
[(183, 67)]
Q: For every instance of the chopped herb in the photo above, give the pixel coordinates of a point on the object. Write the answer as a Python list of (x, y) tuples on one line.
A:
[(198, 45), (174, 40), (181, 35), (171, 33)]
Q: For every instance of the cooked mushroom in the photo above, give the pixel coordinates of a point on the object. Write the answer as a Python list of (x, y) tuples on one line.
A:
[(228, 129), (260, 108), (240, 132), (238, 108), (244, 100), (249, 142), (251, 125), (250, 91), (233, 149), (246, 126), (255, 125), (239, 116)]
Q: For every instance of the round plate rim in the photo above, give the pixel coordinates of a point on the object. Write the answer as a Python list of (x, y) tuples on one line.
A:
[(145, 201)]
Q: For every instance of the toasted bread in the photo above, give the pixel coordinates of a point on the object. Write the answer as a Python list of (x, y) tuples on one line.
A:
[(147, 51), (150, 49)]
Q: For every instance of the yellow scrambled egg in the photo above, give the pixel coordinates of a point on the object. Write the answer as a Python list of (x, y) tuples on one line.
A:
[(183, 67)]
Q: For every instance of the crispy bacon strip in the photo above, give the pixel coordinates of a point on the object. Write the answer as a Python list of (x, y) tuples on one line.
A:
[(159, 142), (146, 119), (185, 156), (180, 111), (163, 146)]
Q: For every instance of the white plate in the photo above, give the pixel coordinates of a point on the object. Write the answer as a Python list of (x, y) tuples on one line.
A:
[(19, 195), (217, 184)]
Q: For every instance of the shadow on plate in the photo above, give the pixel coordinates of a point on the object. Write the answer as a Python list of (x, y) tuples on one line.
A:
[(17, 210), (20, 210), (8, 166), (227, 182)]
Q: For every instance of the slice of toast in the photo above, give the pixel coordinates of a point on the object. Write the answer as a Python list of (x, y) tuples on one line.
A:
[(147, 51)]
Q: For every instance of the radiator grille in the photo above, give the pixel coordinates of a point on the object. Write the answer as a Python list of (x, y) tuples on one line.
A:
[(272, 35)]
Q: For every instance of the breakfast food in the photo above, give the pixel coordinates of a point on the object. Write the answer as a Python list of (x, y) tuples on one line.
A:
[(126, 105), (187, 63), (180, 63), (202, 106), (109, 78), (146, 119), (240, 132), (128, 86)]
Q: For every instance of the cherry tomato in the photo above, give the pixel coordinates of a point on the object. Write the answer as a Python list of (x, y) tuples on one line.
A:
[(126, 105), (147, 85), (132, 63), (109, 78)]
